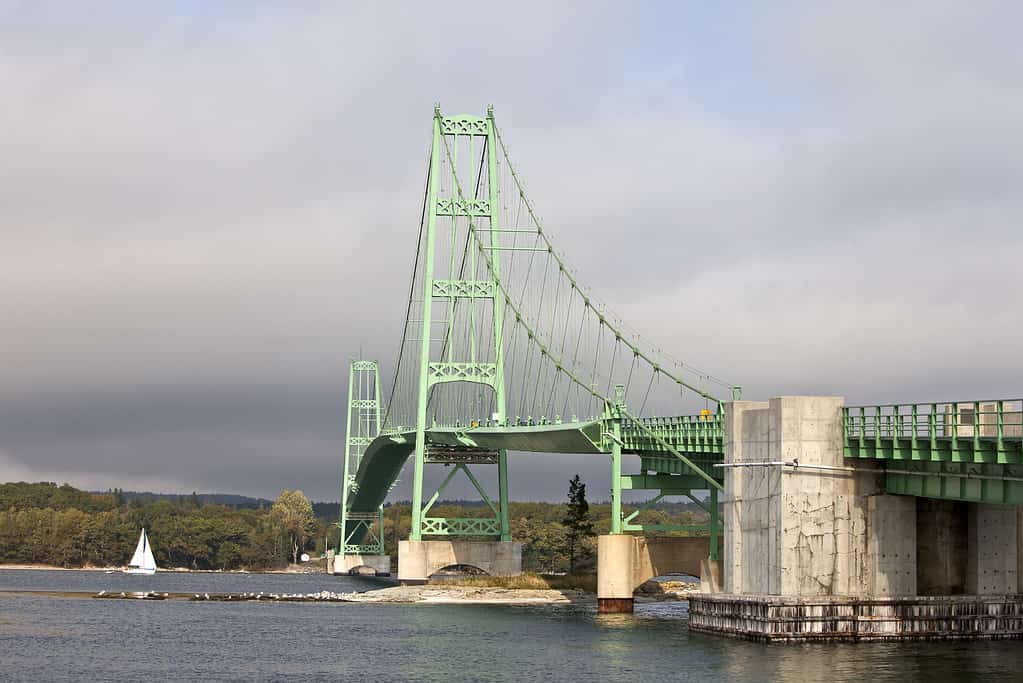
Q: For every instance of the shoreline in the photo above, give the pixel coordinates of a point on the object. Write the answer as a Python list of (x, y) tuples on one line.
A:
[(170, 570), (395, 595), (401, 595)]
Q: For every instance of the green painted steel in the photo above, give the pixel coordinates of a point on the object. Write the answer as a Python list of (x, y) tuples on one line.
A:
[(450, 400), (467, 319), (960, 450), (473, 370), (354, 526)]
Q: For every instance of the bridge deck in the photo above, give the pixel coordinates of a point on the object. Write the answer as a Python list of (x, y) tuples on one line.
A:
[(699, 438)]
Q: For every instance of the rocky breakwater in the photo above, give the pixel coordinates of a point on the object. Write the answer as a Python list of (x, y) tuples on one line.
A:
[(396, 594)]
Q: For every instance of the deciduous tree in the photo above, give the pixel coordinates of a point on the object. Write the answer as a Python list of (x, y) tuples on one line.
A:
[(293, 512)]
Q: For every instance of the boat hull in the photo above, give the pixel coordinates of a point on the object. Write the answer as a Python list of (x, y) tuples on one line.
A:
[(138, 570)]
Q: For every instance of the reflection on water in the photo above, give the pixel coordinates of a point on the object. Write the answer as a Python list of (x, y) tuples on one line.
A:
[(45, 638)]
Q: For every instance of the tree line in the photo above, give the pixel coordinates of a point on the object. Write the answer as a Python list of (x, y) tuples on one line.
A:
[(42, 523)]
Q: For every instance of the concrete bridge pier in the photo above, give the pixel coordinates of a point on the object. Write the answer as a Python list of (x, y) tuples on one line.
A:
[(821, 550), (349, 564), (419, 560), (625, 562)]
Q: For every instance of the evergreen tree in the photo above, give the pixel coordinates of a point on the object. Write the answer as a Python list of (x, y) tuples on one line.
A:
[(577, 520)]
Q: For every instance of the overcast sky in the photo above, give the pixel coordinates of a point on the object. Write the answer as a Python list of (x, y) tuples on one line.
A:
[(206, 212)]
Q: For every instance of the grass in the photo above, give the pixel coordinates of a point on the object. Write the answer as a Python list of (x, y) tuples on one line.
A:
[(583, 582)]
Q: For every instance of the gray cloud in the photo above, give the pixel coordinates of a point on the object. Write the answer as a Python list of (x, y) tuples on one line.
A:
[(206, 214)]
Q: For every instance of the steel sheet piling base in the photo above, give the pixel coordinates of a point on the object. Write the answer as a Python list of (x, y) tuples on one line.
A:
[(772, 618)]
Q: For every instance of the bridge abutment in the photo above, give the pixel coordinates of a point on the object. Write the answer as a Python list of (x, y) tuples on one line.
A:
[(419, 560), (818, 550)]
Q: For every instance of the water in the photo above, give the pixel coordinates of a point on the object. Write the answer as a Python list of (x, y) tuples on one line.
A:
[(47, 638)]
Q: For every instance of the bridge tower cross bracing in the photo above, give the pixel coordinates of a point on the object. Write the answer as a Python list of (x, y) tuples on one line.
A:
[(449, 133)]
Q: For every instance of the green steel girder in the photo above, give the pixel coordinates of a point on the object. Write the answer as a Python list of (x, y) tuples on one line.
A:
[(670, 465), (961, 450), (461, 526), (677, 484), (480, 373), (464, 125), (463, 289), (463, 207), (364, 403), (357, 549), (980, 483)]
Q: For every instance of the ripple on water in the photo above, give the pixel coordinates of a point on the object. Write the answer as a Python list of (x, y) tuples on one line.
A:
[(52, 638)]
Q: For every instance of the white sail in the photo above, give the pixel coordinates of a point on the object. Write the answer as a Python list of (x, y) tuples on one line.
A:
[(137, 559), (143, 558)]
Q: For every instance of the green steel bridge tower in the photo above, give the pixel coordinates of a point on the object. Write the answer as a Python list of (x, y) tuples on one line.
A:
[(503, 349)]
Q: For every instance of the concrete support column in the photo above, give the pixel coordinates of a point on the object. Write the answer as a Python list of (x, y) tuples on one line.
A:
[(615, 576), (710, 576), (992, 561), (624, 562), (941, 540), (793, 530), (891, 545), (412, 562)]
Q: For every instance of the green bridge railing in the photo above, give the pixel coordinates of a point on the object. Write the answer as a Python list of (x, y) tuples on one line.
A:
[(702, 434), (989, 431), (962, 450)]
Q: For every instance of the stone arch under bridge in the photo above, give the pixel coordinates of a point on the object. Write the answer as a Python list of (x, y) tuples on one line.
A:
[(419, 560), (625, 562), (453, 570)]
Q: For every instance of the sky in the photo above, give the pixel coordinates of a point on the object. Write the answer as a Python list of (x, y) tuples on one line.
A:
[(208, 209)]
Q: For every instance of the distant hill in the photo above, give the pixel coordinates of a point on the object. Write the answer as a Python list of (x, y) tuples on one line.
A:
[(229, 499)]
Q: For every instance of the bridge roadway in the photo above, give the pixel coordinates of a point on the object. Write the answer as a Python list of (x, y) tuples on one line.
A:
[(699, 438), (966, 451)]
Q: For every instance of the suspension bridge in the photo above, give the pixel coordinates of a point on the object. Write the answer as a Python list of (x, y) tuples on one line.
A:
[(504, 349)]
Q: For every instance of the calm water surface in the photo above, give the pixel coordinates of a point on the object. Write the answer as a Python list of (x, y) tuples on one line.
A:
[(46, 638)]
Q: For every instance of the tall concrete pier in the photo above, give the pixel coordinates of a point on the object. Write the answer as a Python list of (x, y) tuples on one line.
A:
[(815, 548)]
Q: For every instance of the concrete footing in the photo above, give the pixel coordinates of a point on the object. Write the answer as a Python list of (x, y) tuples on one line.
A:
[(379, 565), (419, 560), (772, 618), (625, 562)]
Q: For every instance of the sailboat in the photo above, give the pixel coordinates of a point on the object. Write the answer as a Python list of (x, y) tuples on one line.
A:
[(142, 562)]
